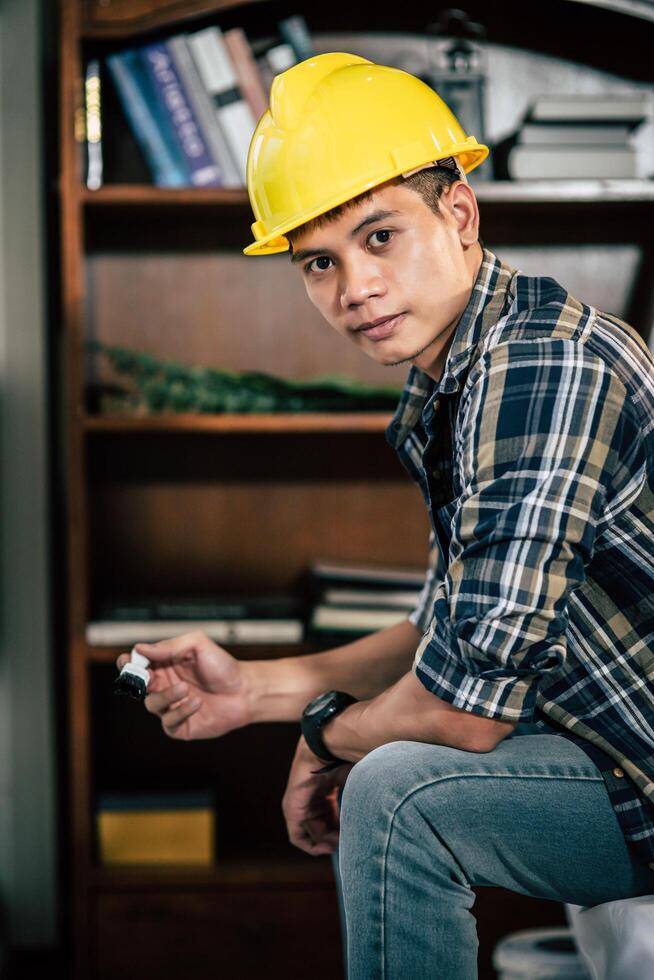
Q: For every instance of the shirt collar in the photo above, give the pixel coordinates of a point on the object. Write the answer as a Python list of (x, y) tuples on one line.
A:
[(493, 291)]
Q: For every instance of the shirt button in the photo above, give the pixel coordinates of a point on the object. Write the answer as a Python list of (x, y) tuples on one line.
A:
[(618, 772)]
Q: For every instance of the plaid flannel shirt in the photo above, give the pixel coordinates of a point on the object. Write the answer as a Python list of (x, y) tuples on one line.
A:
[(535, 455)]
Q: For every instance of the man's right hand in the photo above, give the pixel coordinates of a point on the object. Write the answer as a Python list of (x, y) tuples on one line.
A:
[(196, 688)]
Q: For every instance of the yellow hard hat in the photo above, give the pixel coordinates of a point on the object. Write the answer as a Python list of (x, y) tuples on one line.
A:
[(338, 125)]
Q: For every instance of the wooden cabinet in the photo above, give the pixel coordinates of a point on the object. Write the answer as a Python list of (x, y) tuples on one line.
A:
[(201, 503)]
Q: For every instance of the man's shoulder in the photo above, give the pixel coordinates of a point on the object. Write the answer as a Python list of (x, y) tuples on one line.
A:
[(543, 310)]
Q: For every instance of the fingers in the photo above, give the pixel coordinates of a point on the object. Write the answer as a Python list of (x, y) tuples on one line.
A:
[(173, 720), (171, 651), (160, 702), (173, 706), (167, 652), (314, 837)]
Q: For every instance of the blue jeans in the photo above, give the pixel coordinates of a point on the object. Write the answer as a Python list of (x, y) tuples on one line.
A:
[(421, 824)]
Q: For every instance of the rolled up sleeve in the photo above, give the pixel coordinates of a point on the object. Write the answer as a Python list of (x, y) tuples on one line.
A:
[(547, 443)]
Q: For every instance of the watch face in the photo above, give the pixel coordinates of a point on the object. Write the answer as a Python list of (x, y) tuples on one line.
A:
[(316, 706)]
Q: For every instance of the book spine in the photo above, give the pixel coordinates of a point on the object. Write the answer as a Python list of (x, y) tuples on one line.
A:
[(204, 109), (280, 58), (294, 31), (247, 71), (93, 125), (202, 169), (217, 72), (100, 633), (265, 72), (125, 72)]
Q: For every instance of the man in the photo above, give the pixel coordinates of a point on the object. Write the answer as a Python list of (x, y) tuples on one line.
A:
[(527, 421)]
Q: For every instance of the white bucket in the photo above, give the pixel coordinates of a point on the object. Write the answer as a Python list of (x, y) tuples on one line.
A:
[(539, 954)]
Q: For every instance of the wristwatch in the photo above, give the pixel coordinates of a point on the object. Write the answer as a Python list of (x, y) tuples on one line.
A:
[(316, 714)]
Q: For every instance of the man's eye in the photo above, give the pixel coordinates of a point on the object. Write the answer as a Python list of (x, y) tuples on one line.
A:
[(321, 258), (382, 231)]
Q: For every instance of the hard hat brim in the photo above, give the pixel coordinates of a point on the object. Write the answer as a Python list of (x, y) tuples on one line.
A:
[(469, 156)]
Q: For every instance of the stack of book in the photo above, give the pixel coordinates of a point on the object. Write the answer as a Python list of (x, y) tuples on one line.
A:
[(352, 600), (192, 101), (574, 136), (225, 619), (156, 828)]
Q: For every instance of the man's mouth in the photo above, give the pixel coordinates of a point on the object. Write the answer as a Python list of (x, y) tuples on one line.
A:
[(383, 327)]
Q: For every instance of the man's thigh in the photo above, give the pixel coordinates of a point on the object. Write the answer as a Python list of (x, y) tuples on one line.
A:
[(533, 816)]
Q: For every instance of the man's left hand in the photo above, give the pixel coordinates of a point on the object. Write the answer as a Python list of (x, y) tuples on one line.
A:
[(309, 804)]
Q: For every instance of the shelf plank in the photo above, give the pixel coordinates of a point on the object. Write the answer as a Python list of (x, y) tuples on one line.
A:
[(242, 651), (494, 191), (272, 871), (122, 18), (281, 422), (147, 196)]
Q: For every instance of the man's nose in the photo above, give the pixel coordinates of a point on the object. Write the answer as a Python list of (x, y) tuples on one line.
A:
[(360, 282)]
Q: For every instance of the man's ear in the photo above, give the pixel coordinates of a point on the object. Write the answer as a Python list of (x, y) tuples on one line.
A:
[(462, 205)]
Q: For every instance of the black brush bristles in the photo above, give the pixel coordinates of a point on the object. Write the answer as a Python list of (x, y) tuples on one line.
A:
[(131, 685)]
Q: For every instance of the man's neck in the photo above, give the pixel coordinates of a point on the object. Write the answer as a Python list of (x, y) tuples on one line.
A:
[(474, 258)]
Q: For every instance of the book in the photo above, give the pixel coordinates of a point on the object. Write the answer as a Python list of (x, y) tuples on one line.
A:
[(381, 598), (631, 107), (266, 606), (132, 85), (204, 109), (569, 161), (110, 633), (333, 618), (389, 576), (280, 57), (93, 125), (294, 31), (156, 828), (247, 71), (607, 134), (219, 77), (202, 169), (225, 619)]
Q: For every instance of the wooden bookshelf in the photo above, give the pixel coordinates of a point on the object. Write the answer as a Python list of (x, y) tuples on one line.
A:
[(223, 502), (309, 422)]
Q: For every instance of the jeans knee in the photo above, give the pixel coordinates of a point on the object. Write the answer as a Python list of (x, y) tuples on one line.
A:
[(372, 784)]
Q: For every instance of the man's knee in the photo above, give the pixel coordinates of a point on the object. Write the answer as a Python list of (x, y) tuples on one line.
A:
[(390, 776)]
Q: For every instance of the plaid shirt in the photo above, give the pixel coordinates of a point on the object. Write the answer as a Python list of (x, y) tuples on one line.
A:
[(535, 455)]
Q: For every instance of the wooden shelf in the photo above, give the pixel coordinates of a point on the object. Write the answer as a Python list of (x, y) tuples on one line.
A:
[(284, 423), (495, 192), (242, 651), (229, 873), (146, 196)]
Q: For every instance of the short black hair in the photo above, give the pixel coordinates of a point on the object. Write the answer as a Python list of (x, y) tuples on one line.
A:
[(429, 184)]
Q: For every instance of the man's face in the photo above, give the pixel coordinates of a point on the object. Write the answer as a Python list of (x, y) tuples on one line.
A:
[(391, 255)]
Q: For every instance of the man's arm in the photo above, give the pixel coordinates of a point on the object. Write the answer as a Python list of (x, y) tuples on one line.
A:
[(280, 689), (551, 449), (407, 711)]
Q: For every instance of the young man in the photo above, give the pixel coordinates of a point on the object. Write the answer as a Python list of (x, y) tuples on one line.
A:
[(527, 421)]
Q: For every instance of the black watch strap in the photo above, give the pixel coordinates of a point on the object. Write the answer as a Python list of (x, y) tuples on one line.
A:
[(316, 714)]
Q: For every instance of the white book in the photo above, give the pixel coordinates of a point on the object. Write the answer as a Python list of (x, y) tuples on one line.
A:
[(217, 72), (544, 162), (329, 618), (204, 109), (606, 134), (632, 107), (369, 574), (108, 633), (280, 58), (371, 597)]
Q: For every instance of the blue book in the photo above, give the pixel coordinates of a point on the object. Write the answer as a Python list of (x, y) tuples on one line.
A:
[(178, 115), (131, 81)]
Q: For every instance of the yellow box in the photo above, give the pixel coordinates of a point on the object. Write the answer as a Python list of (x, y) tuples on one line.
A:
[(156, 836)]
